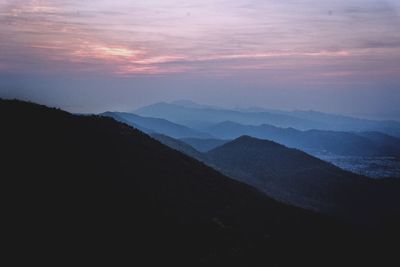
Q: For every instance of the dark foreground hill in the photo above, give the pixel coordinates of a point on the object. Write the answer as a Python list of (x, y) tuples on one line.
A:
[(295, 177), (95, 190)]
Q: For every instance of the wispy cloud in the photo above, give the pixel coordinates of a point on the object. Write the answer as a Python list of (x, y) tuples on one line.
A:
[(152, 37)]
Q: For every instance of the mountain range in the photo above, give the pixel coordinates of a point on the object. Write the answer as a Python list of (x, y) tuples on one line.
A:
[(333, 142), (155, 125), (364, 144), (200, 117), (81, 186)]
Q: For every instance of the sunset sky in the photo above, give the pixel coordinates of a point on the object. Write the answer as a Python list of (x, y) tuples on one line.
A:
[(340, 56)]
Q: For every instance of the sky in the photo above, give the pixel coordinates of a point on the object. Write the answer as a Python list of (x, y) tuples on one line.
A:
[(338, 56)]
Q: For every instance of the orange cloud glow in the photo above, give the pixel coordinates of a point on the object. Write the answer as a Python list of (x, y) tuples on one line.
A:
[(110, 53)]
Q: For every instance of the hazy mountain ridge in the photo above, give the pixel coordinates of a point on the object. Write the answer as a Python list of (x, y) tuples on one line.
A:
[(372, 148), (187, 115), (339, 143), (348, 122), (156, 125), (313, 141), (302, 120)]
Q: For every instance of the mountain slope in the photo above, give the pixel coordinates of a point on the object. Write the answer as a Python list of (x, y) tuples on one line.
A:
[(297, 178), (338, 143), (87, 186), (389, 144), (154, 125), (204, 145), (178, 145)]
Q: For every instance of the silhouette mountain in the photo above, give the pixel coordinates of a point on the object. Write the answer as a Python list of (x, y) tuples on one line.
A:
[(387, 143), (92, 189), (297, 178), (338, 143), (196, 116), (178, 145), (154, 125), (81, 186)]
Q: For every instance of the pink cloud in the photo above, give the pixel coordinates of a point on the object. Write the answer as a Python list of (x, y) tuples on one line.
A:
[(132, 37)]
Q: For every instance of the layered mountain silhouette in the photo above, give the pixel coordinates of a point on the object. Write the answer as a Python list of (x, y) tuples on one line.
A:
[(195, 117), (89, 185), (313, 141), (154, 125), (93, 183), (338, 143), (198, 116)]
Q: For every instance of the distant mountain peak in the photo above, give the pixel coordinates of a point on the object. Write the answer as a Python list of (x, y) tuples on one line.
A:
[(191, 104), (247, 138), (252, 141)]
